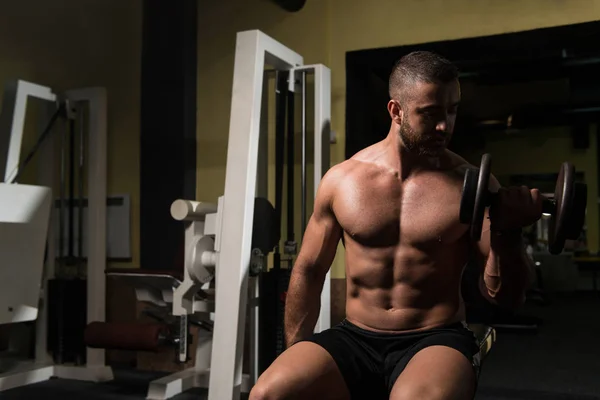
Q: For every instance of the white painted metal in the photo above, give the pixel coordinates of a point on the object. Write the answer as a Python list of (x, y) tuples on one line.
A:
[(45, 177), (97, 187), (322, 81), (322, 127), (253, 50), (187, 210), (42, 368), (12, 119), (24, 219), (199, 245)]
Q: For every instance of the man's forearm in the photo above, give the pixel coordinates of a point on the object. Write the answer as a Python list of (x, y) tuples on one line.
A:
[(302, 305), (505, 278)]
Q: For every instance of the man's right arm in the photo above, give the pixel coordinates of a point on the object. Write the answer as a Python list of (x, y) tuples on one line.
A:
[(319, 245)]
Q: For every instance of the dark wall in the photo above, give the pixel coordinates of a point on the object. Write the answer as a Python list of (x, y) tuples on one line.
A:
[(168, 127), (569, 55)]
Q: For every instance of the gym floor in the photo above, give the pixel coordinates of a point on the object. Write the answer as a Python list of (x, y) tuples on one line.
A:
[(561, 361)]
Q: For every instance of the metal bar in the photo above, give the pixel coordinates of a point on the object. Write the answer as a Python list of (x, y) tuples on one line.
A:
[(322, 128), (96, 100), (303, 182), (262, 179), (12, 121), (61, 208), (254, 320), (81, 171), (46, 177), (233, 242), (280, 114), (41, 139), (71, 204), (290, 165)]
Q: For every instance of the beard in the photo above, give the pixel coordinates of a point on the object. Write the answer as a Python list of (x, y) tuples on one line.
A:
[(416, 143)]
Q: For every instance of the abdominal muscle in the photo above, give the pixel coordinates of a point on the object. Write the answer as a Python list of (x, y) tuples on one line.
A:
[(404, 289)]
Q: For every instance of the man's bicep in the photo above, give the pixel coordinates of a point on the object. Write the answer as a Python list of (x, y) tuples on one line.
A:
[(322, 235), (319, 243)]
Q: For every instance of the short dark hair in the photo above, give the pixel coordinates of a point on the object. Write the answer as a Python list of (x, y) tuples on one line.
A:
[(423, 66)]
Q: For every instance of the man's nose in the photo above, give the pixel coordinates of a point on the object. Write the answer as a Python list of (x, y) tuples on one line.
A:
[(441, 126)]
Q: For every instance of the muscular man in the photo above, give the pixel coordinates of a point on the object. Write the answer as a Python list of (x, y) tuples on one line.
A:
[(396, 206)]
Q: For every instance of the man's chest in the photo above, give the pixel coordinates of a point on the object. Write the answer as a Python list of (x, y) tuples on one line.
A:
[(418, 212)]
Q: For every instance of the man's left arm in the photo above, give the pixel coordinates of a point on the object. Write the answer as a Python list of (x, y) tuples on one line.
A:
[(505, 276)]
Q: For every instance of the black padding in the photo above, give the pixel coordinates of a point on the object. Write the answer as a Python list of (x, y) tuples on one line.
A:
[(265, 229)]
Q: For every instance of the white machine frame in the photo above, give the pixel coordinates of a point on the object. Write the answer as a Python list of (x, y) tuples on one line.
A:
[(13, 118), (254, 49), (219, 236)]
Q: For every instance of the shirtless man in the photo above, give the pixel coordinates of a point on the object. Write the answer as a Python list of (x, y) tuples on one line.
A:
[(396, 206)]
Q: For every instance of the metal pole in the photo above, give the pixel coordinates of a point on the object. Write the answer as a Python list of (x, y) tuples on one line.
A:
[(61, 210), (280, 111), (80, 120), (71, 255), (303, 179), (291, 240)]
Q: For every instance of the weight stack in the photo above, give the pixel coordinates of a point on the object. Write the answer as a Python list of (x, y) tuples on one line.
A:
[(67, 317), (273, 290)]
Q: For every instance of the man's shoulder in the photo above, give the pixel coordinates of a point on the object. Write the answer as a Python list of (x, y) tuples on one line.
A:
[(367, 154), (460, 165), (457, 162), (342, 175), (340, 172)]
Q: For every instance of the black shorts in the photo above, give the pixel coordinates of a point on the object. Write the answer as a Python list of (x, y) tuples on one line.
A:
[(370, 362)]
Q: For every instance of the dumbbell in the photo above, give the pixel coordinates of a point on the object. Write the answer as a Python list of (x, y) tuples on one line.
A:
[(566, 208)]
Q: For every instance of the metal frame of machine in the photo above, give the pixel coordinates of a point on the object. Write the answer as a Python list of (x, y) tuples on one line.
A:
[(218, 236), (13, 119), (254, 50)]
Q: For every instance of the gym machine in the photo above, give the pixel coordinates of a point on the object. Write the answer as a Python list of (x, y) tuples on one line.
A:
[(226, 244), (27, 243), (253, 51)]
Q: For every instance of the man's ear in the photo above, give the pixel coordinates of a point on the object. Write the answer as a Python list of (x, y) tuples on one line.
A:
[(395, 111)]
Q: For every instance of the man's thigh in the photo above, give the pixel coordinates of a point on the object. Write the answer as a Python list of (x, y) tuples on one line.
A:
[(303, 371), (436, 372)]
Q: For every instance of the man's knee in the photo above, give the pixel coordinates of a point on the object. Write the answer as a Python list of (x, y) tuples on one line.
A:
[(261, 392), (268, 387), (418, 390)]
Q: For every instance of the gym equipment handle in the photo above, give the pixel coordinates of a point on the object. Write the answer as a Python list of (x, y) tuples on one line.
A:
[(548, 204)]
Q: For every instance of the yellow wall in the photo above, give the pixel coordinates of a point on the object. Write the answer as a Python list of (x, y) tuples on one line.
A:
[(324, 31), (70, 44)]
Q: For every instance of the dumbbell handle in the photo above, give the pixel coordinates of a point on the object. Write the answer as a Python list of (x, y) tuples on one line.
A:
[(548, 204)]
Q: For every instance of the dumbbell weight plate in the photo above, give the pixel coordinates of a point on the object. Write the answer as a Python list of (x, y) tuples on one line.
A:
[(564, 191), (473, 200), (577, 219), (481, 194), (469, 191)]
